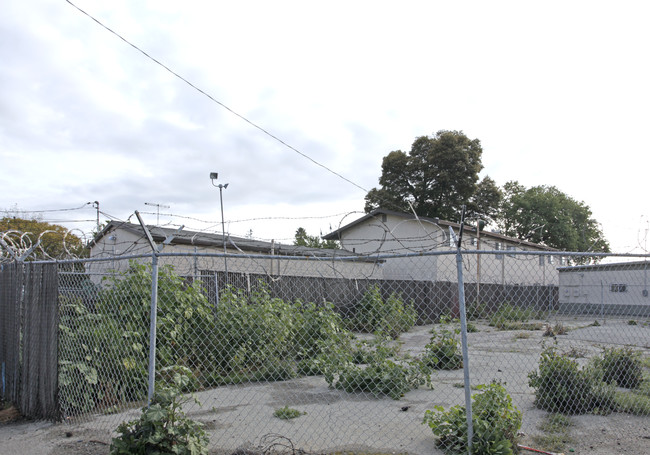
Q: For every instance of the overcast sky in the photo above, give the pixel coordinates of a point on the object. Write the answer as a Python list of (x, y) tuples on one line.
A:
[(557, 92)]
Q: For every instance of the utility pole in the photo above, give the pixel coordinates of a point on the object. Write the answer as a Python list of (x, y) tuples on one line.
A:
[(96, 206)]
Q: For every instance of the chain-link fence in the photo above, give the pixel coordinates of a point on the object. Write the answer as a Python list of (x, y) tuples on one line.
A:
[(350, 353)]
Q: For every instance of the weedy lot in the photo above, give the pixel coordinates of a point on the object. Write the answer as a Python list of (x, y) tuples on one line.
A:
[(331, 420)]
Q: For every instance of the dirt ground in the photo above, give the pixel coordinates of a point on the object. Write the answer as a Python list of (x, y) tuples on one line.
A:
[(501, 355), (591, 435)]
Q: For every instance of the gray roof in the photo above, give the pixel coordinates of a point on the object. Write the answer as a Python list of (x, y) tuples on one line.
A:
[(206, 239), (632, 265)]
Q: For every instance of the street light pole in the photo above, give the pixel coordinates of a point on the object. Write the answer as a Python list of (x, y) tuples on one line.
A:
[(213, 177)]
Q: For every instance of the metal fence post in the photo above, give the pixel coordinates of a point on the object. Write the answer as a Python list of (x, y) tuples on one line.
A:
[(152, 328), (155, 250), (463, 334)]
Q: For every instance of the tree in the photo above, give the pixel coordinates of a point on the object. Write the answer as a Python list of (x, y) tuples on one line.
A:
[(544, 214), (54, 241), (312, 241), (485, 201), (436, 178)]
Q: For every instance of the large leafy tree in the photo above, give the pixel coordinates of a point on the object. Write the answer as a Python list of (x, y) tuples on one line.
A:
[(546, 215), (436, 178), (312, 241), (485, 202), (53, 241)]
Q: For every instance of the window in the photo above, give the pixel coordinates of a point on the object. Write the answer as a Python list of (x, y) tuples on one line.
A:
[(511, 248), (498, 246), (618, 287), (541, 261)]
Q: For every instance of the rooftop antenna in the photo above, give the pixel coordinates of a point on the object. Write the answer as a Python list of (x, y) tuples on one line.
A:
[(158, 206)]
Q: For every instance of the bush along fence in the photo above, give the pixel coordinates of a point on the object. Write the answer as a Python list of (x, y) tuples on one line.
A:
[(396, 358)]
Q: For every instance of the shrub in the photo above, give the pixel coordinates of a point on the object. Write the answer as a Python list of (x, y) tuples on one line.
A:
[(366, 352), (382, 376), (374, 314), (398, 317), (495, 422), (509, 316), (265, 338), (100, 363), (476, 311), (185, 317), (104, 352), (316, 328), (162, 428), (369, 311), (561, 386), (443, 351), (622, 366), (254, 331)]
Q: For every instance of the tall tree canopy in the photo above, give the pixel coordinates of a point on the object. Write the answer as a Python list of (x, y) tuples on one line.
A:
[(56, 242), (312, 241), (485, 202), (437, 177), (544, 214)]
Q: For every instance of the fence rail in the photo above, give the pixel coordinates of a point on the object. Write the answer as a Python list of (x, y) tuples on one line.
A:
[(346, 348)]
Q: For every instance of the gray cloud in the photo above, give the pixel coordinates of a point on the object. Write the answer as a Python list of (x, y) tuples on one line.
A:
[(83, 116)]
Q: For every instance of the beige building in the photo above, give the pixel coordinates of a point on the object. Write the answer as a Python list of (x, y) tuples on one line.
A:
[(193, 253), (488, 257)]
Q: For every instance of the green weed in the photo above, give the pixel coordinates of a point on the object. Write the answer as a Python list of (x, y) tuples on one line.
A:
[(287, 413)]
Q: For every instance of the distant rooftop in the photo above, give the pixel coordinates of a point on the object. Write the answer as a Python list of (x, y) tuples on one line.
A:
[(336, 235), (206, 239)]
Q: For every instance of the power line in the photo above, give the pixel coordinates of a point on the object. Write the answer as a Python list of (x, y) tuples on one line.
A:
[(17, 210), (204, 93), (256, 219)]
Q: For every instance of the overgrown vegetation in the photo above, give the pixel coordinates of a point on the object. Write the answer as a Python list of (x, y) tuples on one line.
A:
[(104, 351), (511, 317), (443, 351), (622, 366), (287, 413), (561, 386), (495, 423), (556, 433), (248, 337), (384, 374), (374, 314), (163, 428)]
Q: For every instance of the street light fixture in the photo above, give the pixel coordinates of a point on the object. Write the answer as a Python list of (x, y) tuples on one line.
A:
[(213, 177)]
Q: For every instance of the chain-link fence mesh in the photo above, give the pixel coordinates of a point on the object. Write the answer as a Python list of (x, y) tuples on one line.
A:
[(350, 353)]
